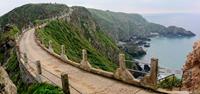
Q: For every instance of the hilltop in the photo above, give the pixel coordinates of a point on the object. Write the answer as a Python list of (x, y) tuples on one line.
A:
[(31, 13)]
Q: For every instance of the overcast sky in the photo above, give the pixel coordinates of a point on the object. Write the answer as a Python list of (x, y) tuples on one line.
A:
[(128, 6)]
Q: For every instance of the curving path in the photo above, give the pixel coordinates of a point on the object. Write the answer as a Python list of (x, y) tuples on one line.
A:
[(83, 81)]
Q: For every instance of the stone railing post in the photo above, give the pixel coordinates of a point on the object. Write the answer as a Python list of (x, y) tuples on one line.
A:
[(65, 83), (84, 63), (154, 70), (122, 72), (63, 52), (122, 63), (50, 46), (25, 58), (41, 41), (39, 71), (151, 79), (39, 68)]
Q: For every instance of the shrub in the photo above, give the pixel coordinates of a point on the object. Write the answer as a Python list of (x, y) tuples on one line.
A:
[(44, 88), (170, 82)]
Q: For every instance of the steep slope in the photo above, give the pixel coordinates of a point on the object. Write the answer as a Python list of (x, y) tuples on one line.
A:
[(23, 15), (11, 23), (191, 70), (62, 33), (122, 26)]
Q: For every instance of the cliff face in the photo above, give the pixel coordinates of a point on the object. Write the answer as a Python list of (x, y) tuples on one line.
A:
[(123, 26), (6, 85), (191, 69)]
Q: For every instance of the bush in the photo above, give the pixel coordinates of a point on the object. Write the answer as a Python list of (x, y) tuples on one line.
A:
[(44, 88), (170, 82)]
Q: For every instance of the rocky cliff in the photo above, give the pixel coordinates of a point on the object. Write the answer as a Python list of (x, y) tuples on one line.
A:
[(6, 85), (191, 70)]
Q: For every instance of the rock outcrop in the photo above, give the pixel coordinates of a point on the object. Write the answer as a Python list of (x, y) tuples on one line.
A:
[(6, 85), (191, 70)]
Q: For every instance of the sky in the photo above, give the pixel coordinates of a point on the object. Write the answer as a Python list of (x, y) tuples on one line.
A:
[(128, 6)]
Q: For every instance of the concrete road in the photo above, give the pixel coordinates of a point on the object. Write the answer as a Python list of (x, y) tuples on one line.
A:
[(84, 82)]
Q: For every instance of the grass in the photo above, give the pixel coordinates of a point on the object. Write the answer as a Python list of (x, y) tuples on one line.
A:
[(44, 88), (12, 67), (62, 33), (170, 82), (23, 15)]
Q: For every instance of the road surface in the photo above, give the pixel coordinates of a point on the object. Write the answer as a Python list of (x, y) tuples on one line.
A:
[(85, 82)]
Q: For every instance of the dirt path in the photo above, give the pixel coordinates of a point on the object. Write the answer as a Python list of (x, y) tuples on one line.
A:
[(83, 81)]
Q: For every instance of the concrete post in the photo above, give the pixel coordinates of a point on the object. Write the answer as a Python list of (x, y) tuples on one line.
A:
[(50, 46), (63, 52), (84, 63), (39, 71), (42, 41), (39, 68), (25, 58), (84, 55), (122, 72), (122, 63), (65, 83), (62, 49), (151, 79), (154, 70)]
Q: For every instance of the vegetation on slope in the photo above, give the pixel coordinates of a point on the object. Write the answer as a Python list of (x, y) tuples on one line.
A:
[(122, 26), (63, 33), (8, 59), (170, 82), (12, 67), (44, 88), (23, 15), (7, 42)]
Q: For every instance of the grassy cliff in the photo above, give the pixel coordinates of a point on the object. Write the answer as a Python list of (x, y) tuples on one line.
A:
[(23, 15), (8, 59), (12, 67), (63, 33), (123, 26)]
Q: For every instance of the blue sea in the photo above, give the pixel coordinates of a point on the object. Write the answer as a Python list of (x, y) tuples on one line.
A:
[(172, 52)]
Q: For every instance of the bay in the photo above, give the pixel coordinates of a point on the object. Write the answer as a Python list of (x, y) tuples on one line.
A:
[(172, 52)]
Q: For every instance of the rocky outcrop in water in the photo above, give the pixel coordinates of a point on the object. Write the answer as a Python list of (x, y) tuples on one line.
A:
[(191, 70)]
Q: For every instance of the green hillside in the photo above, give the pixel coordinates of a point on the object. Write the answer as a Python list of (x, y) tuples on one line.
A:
[(11, 23), (25, 14), (123, 26), (62, 33)]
